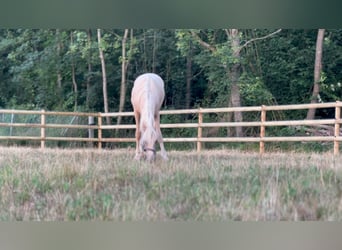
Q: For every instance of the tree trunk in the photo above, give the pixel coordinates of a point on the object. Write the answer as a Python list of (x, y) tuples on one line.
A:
[(317, 73), (188, 78), (73, 73), (124, 65), (59, 64), (234, 75), (154, 51), (104, 76), (89, 35), (74, 83), (59, 48), (145, 54), (91, 120)]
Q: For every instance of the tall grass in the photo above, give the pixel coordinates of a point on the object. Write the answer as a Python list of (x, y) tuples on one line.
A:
[(69, 185)]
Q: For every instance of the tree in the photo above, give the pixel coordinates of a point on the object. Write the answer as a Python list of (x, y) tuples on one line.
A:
[(73, 70), (225, 48), (188, 77), (234, 75), (124, 65), (90, 67), (59, 51), (286, 62), (104, 75), (317, 73), (331, 76)]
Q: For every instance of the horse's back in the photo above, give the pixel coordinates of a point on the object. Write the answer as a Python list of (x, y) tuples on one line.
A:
[(148, 84), (149, 77)]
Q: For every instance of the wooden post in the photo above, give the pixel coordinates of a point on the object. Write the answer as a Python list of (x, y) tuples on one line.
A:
[(199, 130), (337, 127), (99, 133), (262, 130), (42, 129), (11, 128), (91, 122)]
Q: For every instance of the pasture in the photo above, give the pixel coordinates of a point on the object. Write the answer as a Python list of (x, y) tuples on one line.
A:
[(221, 185)]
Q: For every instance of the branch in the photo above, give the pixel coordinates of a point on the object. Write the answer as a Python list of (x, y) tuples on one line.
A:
[(259, 38), (203, 43)]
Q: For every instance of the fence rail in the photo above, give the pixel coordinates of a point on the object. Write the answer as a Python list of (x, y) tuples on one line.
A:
[(263, 124)]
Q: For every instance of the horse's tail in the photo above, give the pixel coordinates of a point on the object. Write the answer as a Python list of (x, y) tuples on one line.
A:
[(148, 115)]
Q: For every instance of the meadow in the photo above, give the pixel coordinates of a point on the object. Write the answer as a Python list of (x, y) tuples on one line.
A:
[(215, 185)]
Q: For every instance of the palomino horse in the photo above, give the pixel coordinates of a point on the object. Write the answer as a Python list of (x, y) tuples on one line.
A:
[(147, 97)]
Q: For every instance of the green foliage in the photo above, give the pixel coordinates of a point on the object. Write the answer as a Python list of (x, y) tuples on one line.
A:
[(254, 91), (278, 69), (288, 63)]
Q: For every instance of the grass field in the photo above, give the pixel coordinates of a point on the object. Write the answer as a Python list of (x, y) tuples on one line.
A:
[(77, 184)]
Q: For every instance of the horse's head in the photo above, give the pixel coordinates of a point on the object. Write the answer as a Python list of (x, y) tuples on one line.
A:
[(147, 144), (150, 154)]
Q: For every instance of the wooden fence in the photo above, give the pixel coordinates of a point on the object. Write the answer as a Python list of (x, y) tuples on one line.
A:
[(335, 137)]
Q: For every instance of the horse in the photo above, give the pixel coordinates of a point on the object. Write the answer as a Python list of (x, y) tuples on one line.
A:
[(147, 97)]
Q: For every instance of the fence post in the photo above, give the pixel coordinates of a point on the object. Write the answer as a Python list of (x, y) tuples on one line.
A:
[(99, 133), (91, 122), (337, 128), (42, 129), (199, 130), (12, 121), (262, 130)]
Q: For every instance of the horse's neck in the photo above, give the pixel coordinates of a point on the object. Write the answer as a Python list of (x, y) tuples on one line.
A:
[(148, 117), (147, 120), (147, 112)]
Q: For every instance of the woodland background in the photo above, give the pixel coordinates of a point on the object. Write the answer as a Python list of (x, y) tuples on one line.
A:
[(94, 69)]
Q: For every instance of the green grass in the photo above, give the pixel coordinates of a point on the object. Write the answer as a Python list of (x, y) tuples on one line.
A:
[(72, 185)]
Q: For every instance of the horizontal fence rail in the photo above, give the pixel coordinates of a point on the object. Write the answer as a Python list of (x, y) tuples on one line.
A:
[(42, 124)]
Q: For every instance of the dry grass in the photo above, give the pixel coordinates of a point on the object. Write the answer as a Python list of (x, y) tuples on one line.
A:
[(56, 184)]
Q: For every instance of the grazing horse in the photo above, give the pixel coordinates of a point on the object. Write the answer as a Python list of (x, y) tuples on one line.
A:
[(147, 97)]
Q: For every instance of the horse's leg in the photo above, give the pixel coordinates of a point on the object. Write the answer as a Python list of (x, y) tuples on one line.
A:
[(160, 138), (137, 136)]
